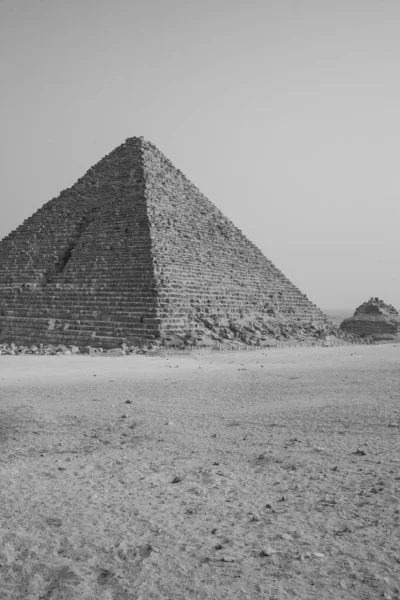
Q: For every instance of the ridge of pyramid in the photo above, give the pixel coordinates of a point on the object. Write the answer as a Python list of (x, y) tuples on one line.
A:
[(134, 251)]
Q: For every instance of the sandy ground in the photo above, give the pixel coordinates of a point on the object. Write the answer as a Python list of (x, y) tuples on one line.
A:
[(266, 475)]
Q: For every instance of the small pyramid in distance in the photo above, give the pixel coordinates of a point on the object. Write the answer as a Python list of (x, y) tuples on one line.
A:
[(133, 252), (374, 320)]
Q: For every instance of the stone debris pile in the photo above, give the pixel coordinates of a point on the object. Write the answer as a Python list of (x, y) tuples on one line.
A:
[(256, 332), (52, 350), (218, 334)]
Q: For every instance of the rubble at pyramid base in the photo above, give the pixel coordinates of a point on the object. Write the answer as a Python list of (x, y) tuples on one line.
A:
[(212, 334)]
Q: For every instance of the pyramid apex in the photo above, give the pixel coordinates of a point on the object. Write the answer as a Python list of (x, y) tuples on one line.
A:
[(135, 138)]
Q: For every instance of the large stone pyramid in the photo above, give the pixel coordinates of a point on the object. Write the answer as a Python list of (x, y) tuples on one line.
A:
[(132, 252)]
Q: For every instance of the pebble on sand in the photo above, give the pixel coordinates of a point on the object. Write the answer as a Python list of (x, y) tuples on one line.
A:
[(228, 559), (360, 452), (267, 551)]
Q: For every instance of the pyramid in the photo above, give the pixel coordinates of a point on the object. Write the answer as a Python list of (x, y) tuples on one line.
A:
[(134, 252), (375, 320)]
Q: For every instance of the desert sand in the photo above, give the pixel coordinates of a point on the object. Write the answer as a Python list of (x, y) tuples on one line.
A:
[(267, 474)]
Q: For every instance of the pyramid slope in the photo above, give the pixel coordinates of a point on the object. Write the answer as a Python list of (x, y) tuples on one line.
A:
[(204, 265), (130, 252), (81, 268)]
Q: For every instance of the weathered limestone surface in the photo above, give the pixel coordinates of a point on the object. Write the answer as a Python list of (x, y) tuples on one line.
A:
[(133, 252), (373, 319), (204, 265)]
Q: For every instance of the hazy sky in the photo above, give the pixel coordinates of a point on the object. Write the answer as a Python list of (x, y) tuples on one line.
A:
[(285, 113)]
